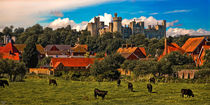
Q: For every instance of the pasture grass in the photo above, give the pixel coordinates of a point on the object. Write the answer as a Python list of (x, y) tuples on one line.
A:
[(38, 92)]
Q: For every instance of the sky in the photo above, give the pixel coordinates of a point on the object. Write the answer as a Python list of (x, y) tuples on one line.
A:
[(182, 16)]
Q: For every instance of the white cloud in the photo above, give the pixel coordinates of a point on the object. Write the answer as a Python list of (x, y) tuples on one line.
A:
[(155, 13), (176, 11), (107, 18), (180, 31), (24, 13), (59, 23)]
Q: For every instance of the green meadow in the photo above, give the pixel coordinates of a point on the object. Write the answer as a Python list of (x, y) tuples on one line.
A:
[(38, 92)]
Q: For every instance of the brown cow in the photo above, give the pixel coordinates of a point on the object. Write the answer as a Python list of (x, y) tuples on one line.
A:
[(118, 82), (149, 87), (5, 82), (187, 92), (101, 93), (130, 86), (52, 81)]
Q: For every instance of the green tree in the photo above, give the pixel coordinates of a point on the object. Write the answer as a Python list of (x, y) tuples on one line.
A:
[(30, 55), (207, 59), (43, 62)]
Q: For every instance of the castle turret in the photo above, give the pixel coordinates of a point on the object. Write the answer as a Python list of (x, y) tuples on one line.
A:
[(110, 27), (142, 26), (92, 28), (117, 23), (164, 27)]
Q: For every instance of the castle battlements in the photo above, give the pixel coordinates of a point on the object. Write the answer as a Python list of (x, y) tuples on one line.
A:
[(98, 28)]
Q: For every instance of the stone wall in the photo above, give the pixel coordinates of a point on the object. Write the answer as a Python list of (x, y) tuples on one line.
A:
[(186, 74)]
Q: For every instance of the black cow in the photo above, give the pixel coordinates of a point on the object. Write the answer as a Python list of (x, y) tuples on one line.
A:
[(130, 86), (152, 80), (101, 93), (52, 81), (5, 82), (149, 87), (118, 82), (1, 84), (187, 92)]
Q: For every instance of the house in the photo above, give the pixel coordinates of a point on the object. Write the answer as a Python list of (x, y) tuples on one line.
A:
[(65, 51), (39, 48), (57, 51), (79, 50), (193, 46), (72, 63), (200, 58), (9, 51), (170, 47), (132, 53)]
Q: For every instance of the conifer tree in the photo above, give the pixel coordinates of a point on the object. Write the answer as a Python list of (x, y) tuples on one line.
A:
[(30, 55)]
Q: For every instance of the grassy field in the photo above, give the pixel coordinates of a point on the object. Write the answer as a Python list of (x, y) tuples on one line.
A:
[(38, 92)]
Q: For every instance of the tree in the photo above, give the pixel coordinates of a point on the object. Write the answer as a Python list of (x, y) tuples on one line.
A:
[(207, 59), (107, 68), (43, 62), (8, 30), (30, 55)]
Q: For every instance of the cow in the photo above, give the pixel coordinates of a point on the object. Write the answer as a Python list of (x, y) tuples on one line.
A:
[(1, 84), (5, 82), (52, 81), (101, 93), (152, 80), (149, 87), (187, 92), (118, 82), (130, 86)]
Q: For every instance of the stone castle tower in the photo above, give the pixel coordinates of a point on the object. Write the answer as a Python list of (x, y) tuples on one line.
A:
[(117, 23), (98, 27)]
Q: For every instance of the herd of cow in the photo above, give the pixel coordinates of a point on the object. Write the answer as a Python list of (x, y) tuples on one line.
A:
[(102, 93)]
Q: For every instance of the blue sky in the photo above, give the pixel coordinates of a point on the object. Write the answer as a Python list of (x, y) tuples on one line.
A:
[(192, 14)]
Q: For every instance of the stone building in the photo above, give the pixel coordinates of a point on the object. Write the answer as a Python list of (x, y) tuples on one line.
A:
[(98, 28)]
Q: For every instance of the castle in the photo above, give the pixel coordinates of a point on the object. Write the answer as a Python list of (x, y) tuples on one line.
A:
[(98, 28)]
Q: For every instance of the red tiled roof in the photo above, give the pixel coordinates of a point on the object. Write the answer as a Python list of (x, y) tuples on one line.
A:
[(73, 62), (9, 52), (200, 59), (9, 47), (192, 43), (170, 48), (143, 50)]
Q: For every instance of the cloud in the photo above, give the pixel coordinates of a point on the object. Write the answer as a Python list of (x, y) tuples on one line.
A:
[(57, 13), (107, 18), (155, 13), (24, 13), (59, 23), (176, 11), (171, 24), (180, 31)]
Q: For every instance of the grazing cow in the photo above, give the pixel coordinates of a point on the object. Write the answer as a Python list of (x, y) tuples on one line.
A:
[(187, 92), (149, 87), (52, 81), (118, 82), (152, 80), (101, 93), (130, 86), (1, 84), (5, 82)]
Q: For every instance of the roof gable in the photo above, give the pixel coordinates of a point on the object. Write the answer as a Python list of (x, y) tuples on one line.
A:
[(9, 48), (192, 43)]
